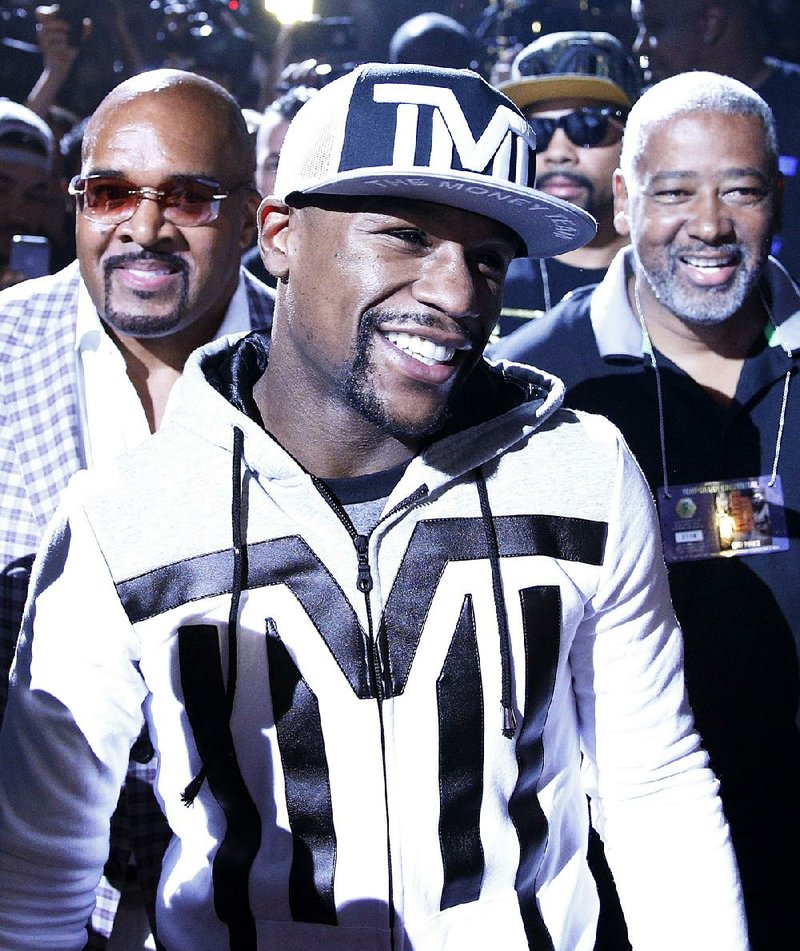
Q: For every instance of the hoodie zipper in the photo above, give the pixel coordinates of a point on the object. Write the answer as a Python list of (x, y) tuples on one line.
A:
[(364, 584), (374, 658)]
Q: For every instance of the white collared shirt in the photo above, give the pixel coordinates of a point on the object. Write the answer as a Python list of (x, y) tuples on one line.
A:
[(113, 419)]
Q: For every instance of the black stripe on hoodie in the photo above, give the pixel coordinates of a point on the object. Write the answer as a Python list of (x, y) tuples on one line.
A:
[(207, 709)]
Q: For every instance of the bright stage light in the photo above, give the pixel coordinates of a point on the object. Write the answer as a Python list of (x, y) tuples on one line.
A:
[(290, 11)]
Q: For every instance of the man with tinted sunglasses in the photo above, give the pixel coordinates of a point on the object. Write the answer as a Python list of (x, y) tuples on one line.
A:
[(166, 203), (575, 89)]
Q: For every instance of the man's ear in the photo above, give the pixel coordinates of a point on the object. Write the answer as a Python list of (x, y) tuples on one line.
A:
[(621, 224), (249, 223), (273, 225)]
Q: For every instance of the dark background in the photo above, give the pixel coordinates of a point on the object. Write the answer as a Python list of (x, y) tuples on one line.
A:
[(230, 36)]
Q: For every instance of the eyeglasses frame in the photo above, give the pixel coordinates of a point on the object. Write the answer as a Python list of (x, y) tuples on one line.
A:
[(150, 193)]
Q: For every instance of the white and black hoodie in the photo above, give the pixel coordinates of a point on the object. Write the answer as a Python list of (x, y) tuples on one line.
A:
[(365, 742)]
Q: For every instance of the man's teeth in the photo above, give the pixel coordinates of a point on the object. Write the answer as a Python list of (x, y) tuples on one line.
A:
[(426, 351), (706, 262)]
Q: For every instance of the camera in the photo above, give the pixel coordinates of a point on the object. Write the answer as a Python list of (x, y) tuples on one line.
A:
[(327, 38)]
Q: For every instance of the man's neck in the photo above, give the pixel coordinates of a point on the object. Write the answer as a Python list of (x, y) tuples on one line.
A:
[(155, 363), (740, 52), (601, 250), (598, 254), (322, 441), (753, 71), (713, 355)]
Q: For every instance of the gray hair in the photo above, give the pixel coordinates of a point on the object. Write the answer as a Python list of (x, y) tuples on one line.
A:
[(695, 91)]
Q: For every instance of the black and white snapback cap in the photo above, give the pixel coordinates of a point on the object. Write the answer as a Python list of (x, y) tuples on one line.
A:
[(430, 134)]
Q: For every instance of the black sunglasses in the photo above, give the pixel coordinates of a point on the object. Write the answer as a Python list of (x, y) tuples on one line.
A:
[(586, 127)]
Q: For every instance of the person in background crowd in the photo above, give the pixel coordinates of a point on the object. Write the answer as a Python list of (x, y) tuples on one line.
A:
[(89, 356), (373, 596), (253, 118), (575, 89), (59, 50), (30, 201), (78, 70), (730, 38), (690, 345), (435, 40), (271, 132)]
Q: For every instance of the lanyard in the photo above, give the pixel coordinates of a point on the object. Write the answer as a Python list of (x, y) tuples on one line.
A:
[(660, 395)]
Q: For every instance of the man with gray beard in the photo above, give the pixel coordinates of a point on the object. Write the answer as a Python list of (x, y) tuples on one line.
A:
[(689, 345)]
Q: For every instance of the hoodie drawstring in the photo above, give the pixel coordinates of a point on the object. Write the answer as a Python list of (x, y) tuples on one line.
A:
[(509, 718), (238, 566), (193, 788)]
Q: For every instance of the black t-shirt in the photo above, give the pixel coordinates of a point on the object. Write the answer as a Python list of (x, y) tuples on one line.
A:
[(364, 497), (534, 285)]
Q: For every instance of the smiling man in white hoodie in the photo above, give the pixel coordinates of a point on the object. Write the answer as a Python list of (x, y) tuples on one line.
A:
[(388, 610)]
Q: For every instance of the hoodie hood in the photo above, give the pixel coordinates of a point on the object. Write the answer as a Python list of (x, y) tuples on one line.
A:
[(500, 404)]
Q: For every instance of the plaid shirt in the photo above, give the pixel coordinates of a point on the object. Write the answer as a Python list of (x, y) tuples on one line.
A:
[(40, 449)]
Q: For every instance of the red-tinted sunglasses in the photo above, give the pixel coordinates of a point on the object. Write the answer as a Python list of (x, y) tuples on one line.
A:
[(184, 200)]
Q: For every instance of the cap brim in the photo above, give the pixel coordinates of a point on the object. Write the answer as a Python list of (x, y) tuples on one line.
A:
[(527, 92), (548, 226)]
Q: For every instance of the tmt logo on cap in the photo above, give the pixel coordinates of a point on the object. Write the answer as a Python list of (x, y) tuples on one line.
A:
[(429, 134), (450, 132), (455, 126)]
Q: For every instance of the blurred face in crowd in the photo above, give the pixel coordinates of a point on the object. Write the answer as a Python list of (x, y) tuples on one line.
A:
[(387, 307), (577, 173), (670, 35), (26, 200), (149, 276), (701, 212), (271, 133)]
